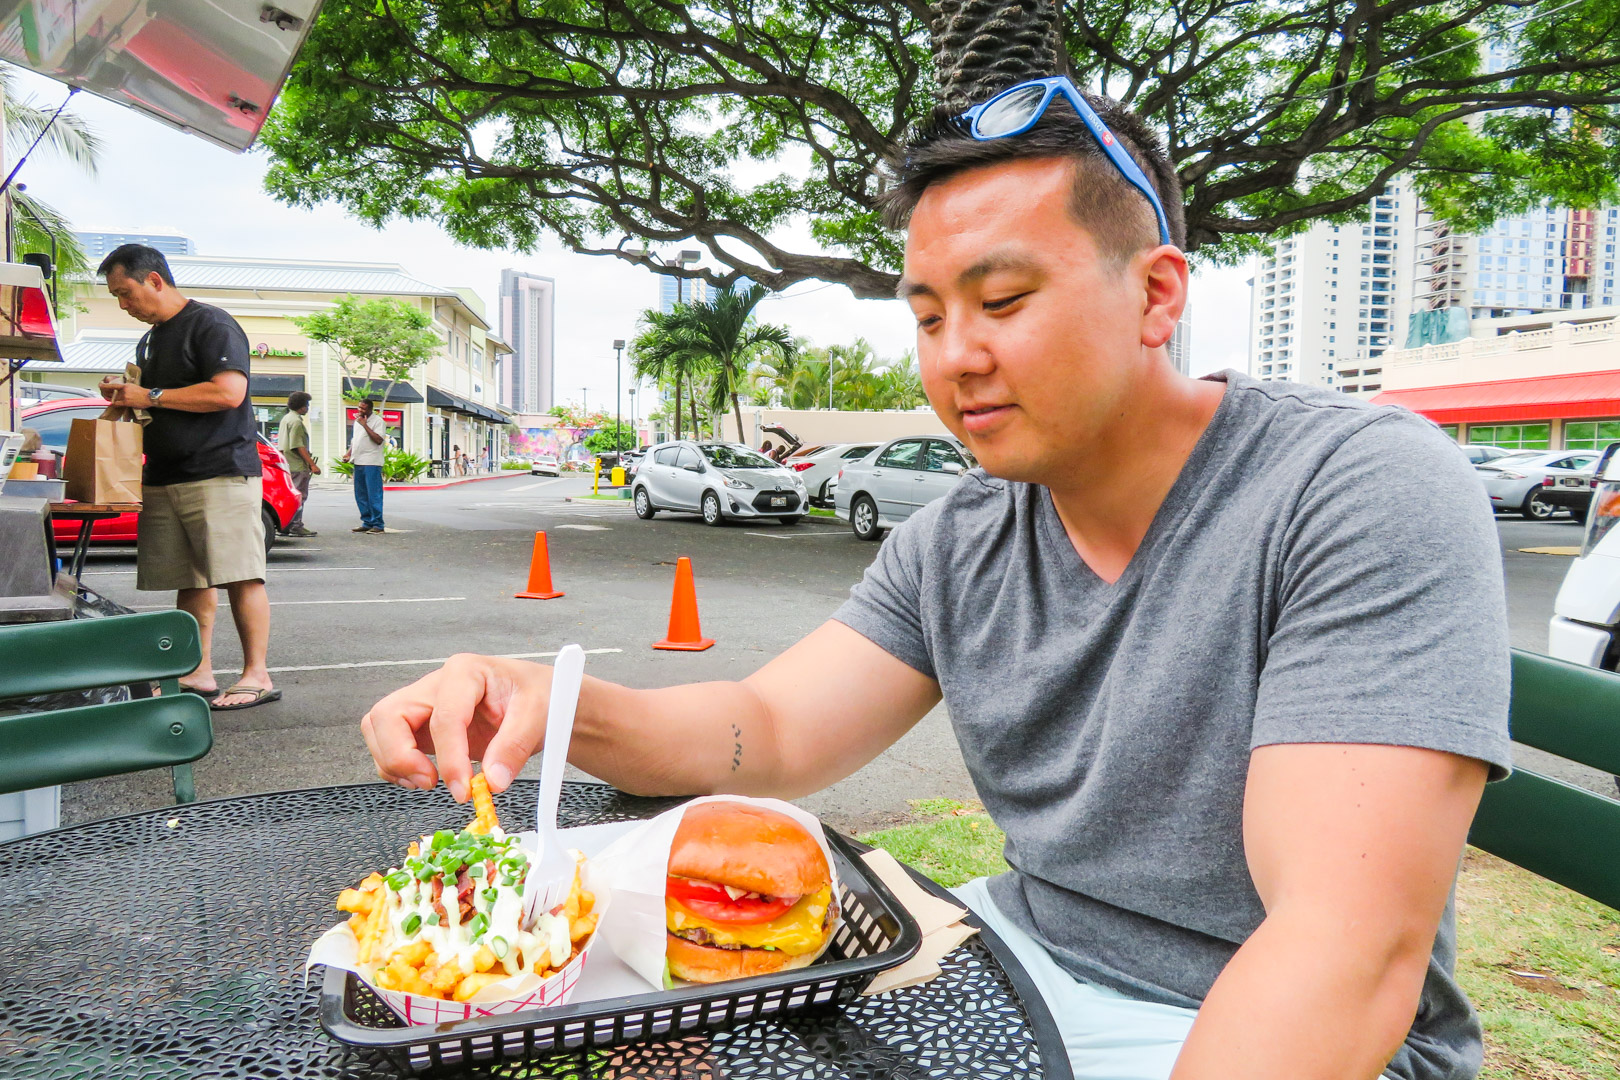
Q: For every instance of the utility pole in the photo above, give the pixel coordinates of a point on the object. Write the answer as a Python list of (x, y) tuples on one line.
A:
[(618, 411)]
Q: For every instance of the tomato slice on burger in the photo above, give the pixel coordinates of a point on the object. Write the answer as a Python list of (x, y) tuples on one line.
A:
[(710, 901)]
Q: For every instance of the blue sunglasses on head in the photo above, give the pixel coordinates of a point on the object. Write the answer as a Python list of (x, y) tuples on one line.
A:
[(1018, 108)]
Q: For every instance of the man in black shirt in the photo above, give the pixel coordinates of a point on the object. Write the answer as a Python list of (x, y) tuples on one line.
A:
[(200, 526)]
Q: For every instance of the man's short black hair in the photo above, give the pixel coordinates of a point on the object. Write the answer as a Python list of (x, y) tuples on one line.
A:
[(297, 400), (1104, 203), (136, 261)]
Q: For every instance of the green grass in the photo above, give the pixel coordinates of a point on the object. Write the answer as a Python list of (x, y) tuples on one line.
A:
[(816, 511), (1565, 1026)]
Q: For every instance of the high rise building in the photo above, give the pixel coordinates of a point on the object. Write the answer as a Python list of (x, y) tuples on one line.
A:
[(97, 245), (1325, 304), (674, 290), (527, 378), (1180, 344), (1547, 259)]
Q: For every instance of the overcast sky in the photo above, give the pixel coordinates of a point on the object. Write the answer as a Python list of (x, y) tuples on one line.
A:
[(153, 177)]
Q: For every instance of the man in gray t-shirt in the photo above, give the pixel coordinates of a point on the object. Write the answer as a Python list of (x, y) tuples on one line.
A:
[(1227, 660)]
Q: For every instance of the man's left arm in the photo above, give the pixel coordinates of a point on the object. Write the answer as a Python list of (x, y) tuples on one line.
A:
[(224, 391), (1353, 850), (1381, 706)]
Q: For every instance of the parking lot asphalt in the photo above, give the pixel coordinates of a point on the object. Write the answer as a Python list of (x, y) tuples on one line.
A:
[(357, 616)]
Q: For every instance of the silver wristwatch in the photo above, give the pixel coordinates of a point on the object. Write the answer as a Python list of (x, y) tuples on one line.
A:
[(157, 398)]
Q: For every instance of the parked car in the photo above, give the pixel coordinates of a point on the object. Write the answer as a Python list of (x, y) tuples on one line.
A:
[(1480, 454), (52, 420), (1572, 493), (1585, 627), (820, 467), (545, 466), (34, 392), (894, 481), (718, 480), (1518, 483)]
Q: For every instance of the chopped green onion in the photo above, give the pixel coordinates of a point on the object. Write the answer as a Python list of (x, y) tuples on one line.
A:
[(413, 923), (476, 869), (397, 880), (490, 894), (477, 925), (442, 839), (499, 947), (520, 888), (509, 881), (433, 919)]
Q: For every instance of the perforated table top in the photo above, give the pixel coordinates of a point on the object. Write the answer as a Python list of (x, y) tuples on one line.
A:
[(171, 944)]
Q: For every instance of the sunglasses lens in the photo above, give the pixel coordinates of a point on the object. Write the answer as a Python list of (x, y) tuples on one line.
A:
[(1009, 112)]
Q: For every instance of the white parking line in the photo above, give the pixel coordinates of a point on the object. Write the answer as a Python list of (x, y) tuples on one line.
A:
[(531, 487), (303, 603), (820, 534), (410, 663), (586, 528), (278, 569)]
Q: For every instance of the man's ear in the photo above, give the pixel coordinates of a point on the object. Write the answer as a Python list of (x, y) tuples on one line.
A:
[(1164, 278)]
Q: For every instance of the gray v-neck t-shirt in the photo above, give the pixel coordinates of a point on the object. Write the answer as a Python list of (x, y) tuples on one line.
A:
[(1322, 570)]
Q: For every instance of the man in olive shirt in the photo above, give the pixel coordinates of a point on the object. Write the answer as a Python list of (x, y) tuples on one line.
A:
[(294, 441)]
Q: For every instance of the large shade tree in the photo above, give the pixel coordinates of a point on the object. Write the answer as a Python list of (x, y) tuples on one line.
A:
[(620, 125)]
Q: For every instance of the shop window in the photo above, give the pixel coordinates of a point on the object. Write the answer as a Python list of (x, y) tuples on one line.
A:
[(1512, 436), (1450, 430), (1590, 434)]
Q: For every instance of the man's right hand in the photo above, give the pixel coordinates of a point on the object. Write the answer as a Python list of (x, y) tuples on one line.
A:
[(475, 707), (110, 386)]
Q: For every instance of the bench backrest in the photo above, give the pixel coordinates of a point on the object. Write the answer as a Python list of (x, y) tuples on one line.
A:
[(1561, 832), (39, 749)]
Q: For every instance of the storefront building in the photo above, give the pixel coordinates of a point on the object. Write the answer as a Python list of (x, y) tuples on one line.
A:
[(265, 296), (1533, 382)]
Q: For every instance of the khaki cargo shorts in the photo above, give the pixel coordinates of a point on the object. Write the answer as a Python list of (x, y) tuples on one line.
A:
[(198, 534)]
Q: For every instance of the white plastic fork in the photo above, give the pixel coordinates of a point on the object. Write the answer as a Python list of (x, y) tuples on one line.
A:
[(552, 862)]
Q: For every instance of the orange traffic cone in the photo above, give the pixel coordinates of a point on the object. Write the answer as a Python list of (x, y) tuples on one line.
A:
[(684, 632), (539, 573)]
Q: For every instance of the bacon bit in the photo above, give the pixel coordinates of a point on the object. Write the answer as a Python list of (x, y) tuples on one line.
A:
[(438, 892), (464, 895)]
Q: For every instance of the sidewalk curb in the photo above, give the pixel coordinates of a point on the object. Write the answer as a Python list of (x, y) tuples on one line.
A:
[(509, 474)]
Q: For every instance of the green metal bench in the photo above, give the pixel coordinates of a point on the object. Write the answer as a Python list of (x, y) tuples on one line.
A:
[(1561, 832), (39, 749)]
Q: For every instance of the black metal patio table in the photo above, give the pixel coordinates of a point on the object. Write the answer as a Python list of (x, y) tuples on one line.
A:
[(171, 944)]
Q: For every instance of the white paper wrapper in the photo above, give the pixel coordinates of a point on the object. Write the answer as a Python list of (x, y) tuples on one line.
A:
[(338, 948), (634, 868)]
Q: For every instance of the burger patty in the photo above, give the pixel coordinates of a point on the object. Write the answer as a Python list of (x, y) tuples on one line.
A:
[(699, 935)]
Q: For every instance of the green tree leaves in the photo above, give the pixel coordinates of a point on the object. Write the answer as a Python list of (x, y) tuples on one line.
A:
[(625, 124), (383, 339)]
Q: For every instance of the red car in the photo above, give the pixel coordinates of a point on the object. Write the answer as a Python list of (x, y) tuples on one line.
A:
[(52, 420)]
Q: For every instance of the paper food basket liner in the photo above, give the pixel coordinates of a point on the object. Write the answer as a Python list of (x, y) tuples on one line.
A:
[(634, 868), (338, 948)]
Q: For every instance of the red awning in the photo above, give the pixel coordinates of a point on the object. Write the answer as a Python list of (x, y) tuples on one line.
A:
[(1550, 397)]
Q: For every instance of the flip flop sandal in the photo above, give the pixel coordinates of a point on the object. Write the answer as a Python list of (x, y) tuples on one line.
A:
[(260, 696), (206, 695)]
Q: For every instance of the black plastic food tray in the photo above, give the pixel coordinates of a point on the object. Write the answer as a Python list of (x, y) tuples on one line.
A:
[(875, 934)]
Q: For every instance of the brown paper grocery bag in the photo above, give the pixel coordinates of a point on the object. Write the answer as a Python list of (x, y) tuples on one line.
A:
[(103, 463)]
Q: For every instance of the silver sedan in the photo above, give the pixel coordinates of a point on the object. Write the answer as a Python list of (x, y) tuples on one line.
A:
[(885, 487), (718, 480), (1514, 482)]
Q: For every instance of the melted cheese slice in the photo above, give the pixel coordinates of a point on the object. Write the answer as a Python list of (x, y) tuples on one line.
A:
[(796, 931)]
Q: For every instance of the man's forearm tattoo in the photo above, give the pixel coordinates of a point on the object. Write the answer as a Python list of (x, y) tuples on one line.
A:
[(736, 748)]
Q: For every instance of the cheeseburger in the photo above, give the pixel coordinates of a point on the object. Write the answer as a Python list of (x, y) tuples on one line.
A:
[(749, 892)]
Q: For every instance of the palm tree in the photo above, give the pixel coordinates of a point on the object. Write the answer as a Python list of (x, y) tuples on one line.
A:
[(664, 350), (725, 330), (900, 385), (69, 138)]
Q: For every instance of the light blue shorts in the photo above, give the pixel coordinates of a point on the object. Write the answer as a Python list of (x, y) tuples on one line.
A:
[(1109, 1036)]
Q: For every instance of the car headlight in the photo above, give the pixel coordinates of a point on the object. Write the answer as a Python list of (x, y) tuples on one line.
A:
[(737, 482)]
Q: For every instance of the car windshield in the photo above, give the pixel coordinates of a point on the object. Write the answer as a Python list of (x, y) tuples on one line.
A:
[(725, 456), (1514, 458)]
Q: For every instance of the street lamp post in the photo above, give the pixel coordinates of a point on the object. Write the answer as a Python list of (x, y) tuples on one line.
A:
[(634, 440), (618, 411)]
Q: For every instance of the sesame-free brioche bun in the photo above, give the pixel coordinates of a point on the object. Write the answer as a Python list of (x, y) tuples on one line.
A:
[(747, 847), (707, 964)]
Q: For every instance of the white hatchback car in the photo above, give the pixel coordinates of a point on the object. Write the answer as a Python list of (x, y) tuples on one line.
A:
[(718, 480), (885, 487), (819, 469)]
